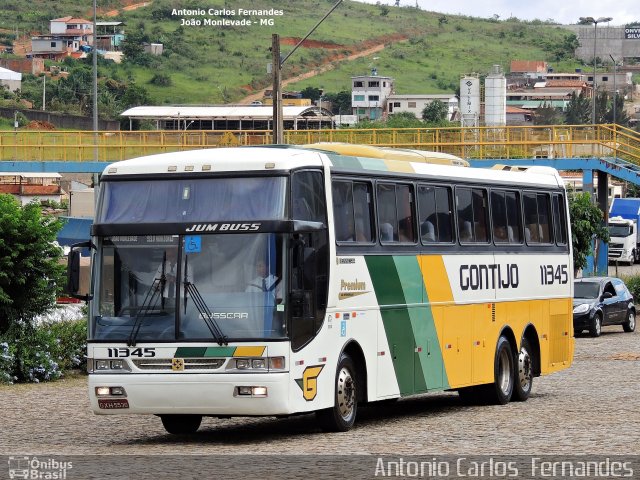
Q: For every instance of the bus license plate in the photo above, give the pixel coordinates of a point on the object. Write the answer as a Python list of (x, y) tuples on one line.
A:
[(112, 404)]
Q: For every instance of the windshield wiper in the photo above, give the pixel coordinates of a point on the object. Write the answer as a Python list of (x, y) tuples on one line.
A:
[(203, 308), (149, 302)]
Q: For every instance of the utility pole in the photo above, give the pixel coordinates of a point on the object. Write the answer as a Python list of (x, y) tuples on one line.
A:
[(615, 91), (276, 94), (44, 91), (277, 64)]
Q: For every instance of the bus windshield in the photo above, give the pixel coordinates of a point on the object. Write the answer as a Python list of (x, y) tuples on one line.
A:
[(191, 200), (196, 287)]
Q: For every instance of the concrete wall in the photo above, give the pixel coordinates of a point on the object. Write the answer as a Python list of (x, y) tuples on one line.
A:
[(610, 41), (61, 120)]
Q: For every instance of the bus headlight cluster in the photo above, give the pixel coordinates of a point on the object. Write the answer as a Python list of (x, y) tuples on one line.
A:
[(257, 364), (247, 391), (110, 392), (107, 366)]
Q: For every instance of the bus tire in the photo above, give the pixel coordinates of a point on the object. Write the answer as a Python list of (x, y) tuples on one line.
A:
[(500, 391), (342, 415), (524, 372), (181, 424)]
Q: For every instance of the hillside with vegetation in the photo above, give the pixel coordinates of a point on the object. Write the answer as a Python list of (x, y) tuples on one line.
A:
[(426, 52)]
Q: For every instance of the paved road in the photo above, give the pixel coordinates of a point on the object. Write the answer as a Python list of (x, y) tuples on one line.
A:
[(590, 408)]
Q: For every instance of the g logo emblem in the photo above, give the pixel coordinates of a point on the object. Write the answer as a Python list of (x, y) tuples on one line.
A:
[(309, 382)]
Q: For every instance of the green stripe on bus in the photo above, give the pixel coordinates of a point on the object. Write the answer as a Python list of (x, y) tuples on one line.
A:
[(395, 319), (199, 352), (411, 332)]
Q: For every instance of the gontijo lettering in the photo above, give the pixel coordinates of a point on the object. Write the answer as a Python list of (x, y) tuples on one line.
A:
[(488, 276)]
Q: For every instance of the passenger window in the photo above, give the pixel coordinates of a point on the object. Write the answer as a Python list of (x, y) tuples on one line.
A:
[(353, 211), (536, 214), (395, 213), (436, 220), (387, 215), (472, 215), (505, 213), (560, 219)]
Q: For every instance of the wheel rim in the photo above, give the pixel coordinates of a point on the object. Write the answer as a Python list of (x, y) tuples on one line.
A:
[(524, 369), (346, 394), (504, 375), (598, 324), (632, 320)]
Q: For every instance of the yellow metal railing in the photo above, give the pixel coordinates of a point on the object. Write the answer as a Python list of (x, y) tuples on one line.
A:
[(558, 141)]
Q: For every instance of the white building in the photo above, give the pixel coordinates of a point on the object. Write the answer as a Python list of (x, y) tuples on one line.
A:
[(66, 35), (369, 95), (415, 103), (10, 79)]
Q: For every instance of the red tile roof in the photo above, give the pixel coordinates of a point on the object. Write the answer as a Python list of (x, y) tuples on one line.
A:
[(566, 83), (522, 66)]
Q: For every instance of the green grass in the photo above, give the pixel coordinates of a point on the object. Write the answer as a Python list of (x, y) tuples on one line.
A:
[(223, 64)]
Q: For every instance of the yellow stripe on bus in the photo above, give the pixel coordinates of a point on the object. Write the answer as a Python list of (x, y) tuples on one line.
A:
[(249, 351)]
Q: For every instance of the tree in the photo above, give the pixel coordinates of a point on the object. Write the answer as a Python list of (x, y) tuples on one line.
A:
[(578, 110), (547, 114), (586, 225), (340, 102), (435, 112), (311, 93), (30, 272)]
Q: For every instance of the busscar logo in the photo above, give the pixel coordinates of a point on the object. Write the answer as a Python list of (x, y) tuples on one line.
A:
[(309, 382), (223, 227), (28, 467)]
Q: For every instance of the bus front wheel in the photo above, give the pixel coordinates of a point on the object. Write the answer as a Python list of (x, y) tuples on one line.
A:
[(342, 415), (181, 424), (499, 392)]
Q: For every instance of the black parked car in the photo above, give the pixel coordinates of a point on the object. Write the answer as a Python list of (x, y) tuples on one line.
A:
[(599, 301)]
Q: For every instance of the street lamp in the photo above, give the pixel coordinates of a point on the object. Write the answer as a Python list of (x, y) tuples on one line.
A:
[(595, 21), (615, 90)]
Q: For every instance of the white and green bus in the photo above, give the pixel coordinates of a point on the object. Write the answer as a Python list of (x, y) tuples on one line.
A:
[(271, 281)]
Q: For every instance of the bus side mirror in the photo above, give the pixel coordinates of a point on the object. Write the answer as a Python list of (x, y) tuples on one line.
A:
[(73, 272)]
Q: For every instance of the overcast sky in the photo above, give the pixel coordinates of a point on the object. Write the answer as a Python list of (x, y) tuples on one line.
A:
[(564, 11)]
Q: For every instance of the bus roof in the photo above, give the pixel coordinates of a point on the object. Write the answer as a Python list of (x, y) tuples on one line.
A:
[(284, 157)]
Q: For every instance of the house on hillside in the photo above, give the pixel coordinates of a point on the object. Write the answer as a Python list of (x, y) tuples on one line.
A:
[(67, 35), (29, 186), (369, 95), (415, 103), (110, 35), (528, 69)]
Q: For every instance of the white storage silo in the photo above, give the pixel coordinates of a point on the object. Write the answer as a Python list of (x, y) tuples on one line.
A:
[(469, 100), (495, 98)]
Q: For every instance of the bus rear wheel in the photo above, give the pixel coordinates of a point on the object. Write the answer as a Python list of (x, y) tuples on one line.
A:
[(524, 372), (500, 391), (342, 415), (181, 424)]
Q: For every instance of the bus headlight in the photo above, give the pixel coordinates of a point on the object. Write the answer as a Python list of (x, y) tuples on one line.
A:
[(257, 364), (99, 365)]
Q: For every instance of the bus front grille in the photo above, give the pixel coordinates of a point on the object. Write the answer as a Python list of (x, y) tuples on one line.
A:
[(189, 363)]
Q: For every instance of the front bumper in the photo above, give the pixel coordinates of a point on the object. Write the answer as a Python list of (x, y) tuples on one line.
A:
[(582, 321), (202, 394)]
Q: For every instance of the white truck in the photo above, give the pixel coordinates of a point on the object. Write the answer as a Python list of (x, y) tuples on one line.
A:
[(624, 244)]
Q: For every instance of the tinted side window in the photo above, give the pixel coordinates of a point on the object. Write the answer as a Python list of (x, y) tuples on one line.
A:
[(387, 215), (505, 213), (343, 211), (436, 220), (560, 219), (363, 212), (472, 215), (537, 215), (307, 195), (352, 210), (396, 213)]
